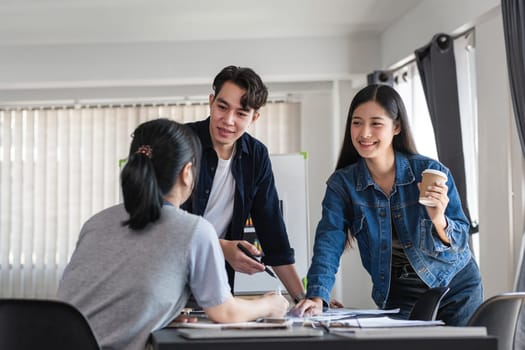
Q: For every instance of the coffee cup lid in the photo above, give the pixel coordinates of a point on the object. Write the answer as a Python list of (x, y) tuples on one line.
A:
[(436, 172)]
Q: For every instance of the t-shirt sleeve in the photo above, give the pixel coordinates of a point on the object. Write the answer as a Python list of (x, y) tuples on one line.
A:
[(206, 267)]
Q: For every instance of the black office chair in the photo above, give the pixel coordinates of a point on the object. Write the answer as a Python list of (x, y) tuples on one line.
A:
[(499, 314), (519, 338), (28, 324), (427, 306)]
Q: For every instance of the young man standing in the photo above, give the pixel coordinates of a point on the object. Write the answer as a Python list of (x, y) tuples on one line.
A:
[(236, 180)]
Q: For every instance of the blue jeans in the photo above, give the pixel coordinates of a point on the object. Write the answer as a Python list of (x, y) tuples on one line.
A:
[(458, 305)]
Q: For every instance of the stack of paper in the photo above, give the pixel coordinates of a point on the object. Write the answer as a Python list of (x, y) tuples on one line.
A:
[(340, 314), (381, 322)]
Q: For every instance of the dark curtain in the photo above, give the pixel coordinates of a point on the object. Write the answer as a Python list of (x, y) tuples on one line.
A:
[(437, 68), (513, 13), (514, 30)]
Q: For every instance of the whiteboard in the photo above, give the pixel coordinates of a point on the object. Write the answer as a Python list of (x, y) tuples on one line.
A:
[(291, 182)]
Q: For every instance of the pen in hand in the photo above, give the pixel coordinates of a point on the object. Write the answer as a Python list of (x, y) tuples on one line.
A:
[(247, 252)]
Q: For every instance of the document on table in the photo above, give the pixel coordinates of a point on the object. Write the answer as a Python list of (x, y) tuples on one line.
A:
[(361, 318), (381, 322), (358, 312), (342, 313)]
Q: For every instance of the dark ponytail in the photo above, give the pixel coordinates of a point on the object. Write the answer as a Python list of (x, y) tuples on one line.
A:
[(158, 152)]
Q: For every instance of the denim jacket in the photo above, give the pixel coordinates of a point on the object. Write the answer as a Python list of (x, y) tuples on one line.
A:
[(255, 195), (354, 202)]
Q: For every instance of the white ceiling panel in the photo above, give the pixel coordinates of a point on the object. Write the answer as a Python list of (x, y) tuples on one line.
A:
[(30, 22)]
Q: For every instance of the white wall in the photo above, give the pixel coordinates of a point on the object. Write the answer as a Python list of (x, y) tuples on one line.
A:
[(501, 209), (182, 63), (323, 73), (430, 17)]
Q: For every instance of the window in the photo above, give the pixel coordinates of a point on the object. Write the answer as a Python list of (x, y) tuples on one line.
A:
[(408, 83), (60, 165)]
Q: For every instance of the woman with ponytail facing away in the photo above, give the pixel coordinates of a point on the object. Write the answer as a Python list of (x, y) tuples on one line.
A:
[(136, 263)]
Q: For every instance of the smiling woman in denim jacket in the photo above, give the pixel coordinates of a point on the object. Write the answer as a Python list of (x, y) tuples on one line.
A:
[(372, 198)]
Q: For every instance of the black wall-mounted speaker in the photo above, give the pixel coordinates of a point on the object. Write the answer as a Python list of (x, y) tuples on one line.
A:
[(380, 77)]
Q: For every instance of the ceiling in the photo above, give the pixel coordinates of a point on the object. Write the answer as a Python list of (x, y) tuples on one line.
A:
[(38, 22)]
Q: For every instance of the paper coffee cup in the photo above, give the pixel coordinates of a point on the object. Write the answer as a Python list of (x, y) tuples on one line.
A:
[(430, 177)]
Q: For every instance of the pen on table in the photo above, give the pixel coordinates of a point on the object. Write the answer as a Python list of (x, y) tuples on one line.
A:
[(325, 326), (247, 252)]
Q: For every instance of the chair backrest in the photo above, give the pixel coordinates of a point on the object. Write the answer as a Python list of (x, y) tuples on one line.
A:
[(519, 286), (427, 306), (43, 324), (499, 314)]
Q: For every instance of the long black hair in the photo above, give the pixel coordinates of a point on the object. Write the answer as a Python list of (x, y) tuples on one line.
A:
[(391, 102), (159, 151)]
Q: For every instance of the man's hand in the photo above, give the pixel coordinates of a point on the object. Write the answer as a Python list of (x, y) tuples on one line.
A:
[(239, 261)]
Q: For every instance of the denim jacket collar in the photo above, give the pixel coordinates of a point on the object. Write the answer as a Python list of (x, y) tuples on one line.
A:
[(404, 173)]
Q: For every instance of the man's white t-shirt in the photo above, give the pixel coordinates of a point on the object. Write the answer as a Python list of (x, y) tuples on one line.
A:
[(219, 209)]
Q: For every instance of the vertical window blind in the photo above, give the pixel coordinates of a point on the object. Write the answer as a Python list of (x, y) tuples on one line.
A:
[(60, 165)]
